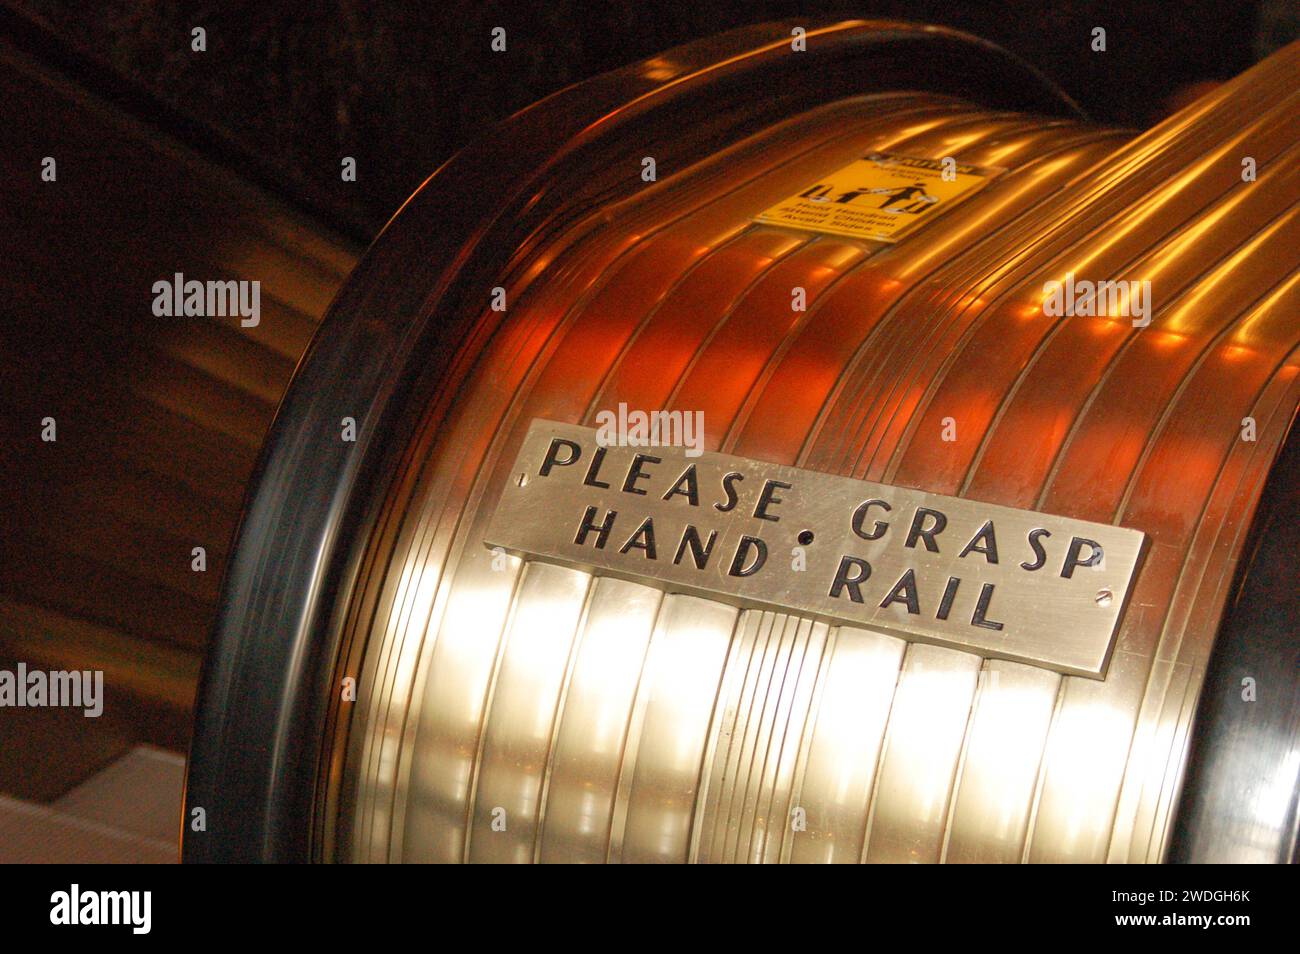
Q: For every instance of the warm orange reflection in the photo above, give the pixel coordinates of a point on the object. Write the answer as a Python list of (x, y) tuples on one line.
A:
[(608, 720)]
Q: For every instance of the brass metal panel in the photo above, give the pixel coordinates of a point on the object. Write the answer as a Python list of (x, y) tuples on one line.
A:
[(845, 733), (596, 705), (1010, 720), (520, 720), (667, 726), (748, 808), (909, 807), (669, 731)]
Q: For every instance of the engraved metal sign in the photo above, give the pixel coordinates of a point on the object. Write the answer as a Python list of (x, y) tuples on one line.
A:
[(993, 580)]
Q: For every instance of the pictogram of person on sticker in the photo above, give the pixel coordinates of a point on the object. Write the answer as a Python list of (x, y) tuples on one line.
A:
[(910, 200)]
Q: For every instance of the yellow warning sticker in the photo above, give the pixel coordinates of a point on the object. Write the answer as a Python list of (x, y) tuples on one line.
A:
[(880, 196)]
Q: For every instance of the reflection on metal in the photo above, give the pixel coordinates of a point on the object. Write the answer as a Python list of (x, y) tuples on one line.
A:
[(1006, 583), (517, 709), (1241, 797)]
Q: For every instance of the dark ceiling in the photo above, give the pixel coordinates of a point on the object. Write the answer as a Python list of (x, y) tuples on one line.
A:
[(285, 90)]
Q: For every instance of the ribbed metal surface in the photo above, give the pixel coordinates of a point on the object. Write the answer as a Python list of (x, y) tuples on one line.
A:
[(531, 712)]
